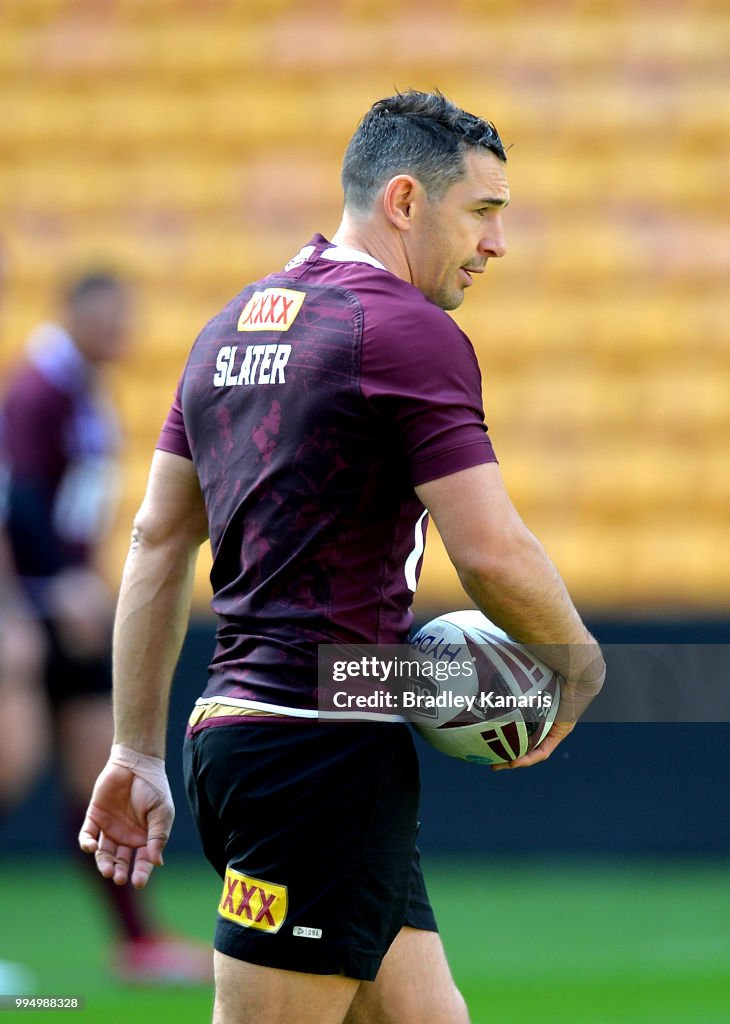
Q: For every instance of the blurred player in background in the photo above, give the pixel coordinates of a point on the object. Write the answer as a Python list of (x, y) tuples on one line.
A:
[(321, 415), (21, 657), (22, 734), (61, 442)]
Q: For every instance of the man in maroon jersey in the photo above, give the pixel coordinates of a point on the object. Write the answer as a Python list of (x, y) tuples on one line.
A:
[(321, 417), (60, 442)]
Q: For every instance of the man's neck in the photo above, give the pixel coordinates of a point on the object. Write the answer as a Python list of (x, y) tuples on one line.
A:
[(367, 237)]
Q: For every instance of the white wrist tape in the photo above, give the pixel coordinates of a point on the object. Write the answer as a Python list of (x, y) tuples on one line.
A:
[(576, 695), (151, 769)]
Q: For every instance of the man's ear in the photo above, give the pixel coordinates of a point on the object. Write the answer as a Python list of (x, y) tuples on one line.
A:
[(399, 196)]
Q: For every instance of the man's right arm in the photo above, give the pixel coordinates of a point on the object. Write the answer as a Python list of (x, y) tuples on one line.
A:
[(154, 601), (508, 575), (130, 808)]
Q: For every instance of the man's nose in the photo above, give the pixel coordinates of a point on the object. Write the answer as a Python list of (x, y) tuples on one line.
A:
[(493, 243)]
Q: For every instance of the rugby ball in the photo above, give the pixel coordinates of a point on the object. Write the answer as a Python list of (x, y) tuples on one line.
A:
[(486, 698)]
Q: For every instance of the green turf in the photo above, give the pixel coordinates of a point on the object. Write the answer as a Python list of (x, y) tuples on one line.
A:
[(580, 944), (596, 944)]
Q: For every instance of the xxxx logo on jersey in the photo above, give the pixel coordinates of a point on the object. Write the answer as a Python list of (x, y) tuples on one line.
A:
[(274, 309), (252, 902)]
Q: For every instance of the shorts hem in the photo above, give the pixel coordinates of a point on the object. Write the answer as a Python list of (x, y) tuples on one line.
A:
[(421, 917), (333, 960)]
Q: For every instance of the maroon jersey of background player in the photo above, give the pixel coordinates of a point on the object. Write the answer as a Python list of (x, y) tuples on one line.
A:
[(61, 440), (312, 405)]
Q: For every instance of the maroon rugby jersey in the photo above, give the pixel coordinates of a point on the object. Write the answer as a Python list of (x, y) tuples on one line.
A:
[(311, 406), (60, 438)]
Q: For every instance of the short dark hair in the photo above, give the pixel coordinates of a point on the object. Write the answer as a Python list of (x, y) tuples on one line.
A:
[(418, 133), (89, 282)]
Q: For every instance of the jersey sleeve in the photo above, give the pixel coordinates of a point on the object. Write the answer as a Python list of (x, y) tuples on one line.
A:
[(173, 436), (36, 420), (419, 371)]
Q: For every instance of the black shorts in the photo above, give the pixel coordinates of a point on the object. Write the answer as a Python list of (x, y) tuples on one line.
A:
[(313, 828), (68, 677)]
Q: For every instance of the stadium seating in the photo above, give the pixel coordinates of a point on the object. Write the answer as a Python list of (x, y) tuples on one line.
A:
[(194, 145)]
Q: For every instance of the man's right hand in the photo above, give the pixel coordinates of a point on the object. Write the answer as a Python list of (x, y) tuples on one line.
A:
[(129, 818)]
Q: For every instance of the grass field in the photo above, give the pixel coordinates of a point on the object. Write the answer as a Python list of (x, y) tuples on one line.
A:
[(643, 943)]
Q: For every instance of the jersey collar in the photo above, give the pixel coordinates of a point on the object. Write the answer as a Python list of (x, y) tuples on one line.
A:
[(345, 254)]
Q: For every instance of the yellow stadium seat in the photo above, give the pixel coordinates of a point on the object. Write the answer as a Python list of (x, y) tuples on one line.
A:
[(193, 148)]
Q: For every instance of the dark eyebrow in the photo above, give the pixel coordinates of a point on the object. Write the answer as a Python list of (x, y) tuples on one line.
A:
[(501, 203)]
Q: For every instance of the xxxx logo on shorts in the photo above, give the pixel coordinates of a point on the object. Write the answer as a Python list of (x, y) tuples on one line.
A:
[(252, 902)]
